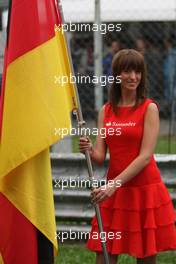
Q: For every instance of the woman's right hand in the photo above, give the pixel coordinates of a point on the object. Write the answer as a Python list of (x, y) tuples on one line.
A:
[(85, 144)]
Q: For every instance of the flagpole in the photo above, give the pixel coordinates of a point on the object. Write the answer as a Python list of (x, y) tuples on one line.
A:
[(81, 124)]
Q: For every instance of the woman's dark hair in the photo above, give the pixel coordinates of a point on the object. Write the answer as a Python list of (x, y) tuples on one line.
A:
[(126, 60)]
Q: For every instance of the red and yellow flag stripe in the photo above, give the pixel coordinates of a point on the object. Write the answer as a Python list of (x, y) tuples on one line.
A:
[(34, 105)]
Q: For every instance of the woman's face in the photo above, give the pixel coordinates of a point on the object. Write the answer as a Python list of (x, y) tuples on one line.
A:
[(130, 79)]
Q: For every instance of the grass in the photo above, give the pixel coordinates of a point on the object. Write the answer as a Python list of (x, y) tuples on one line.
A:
[(163, 145), (161, 148), (76, 254)]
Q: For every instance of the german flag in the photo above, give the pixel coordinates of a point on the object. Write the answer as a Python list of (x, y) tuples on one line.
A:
[(33, 106)]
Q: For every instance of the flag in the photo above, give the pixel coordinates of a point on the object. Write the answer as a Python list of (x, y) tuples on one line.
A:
[(33, 105), (1, 260)]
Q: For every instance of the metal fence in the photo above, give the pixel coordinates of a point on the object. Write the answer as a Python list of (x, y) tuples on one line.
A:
[(157, 42), (148, 27)]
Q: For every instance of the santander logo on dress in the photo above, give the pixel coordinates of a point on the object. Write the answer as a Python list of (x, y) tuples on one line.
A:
[(114, 128), (125, 124)]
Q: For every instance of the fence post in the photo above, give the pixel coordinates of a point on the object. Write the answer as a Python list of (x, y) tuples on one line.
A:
[(98, 91)]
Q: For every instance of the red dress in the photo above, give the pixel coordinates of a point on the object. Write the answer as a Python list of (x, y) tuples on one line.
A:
[(141, 210)]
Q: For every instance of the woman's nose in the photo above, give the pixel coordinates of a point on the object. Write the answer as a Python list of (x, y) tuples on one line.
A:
[(133, 74)]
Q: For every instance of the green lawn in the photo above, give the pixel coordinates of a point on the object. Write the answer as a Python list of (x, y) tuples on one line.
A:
[(163, 145), (77, 254), (161, 148)]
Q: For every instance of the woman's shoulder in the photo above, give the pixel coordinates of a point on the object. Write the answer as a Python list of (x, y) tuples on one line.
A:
[(107, 109), (106, 106), (150, 103)]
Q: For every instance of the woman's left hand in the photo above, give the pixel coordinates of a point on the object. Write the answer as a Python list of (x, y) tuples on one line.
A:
[(102, 193)]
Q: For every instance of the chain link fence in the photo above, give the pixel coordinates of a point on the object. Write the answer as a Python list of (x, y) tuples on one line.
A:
[(156, 40), (148, 27)]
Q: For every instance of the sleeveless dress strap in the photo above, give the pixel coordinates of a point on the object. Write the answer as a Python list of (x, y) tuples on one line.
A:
[(147, 102), (107, 111)]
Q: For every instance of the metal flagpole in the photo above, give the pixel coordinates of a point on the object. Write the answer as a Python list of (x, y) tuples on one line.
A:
[(81, 124)]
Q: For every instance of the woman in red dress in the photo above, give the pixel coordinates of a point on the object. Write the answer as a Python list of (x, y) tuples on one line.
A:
[(138, 217)]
